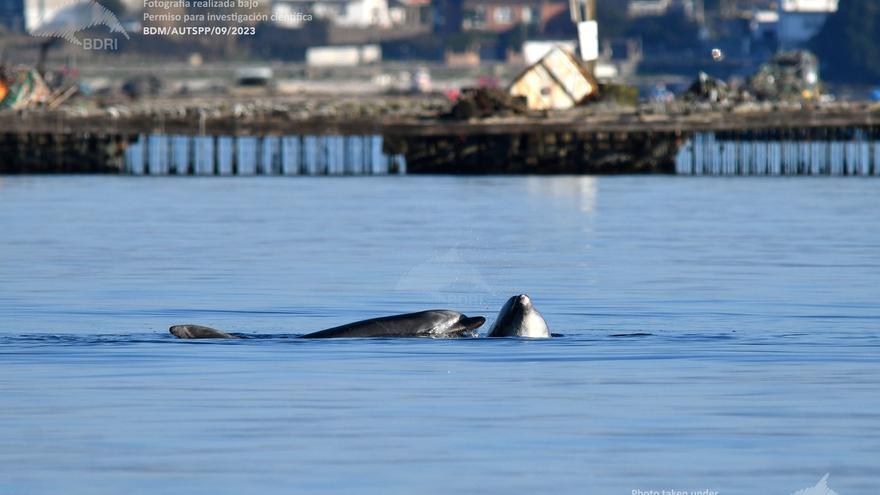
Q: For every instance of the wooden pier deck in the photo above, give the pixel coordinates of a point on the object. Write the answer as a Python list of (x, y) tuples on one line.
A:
[(190, 121)]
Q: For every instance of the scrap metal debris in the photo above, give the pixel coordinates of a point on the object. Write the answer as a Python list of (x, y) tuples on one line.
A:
[(478, 103), (707, 89), (21, 89), (788, 75)]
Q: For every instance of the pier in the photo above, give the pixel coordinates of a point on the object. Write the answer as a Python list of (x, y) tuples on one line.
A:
[(839, 139)]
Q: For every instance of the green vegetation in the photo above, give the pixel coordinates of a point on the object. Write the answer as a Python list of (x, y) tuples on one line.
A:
[(620, 94), (849, 43)]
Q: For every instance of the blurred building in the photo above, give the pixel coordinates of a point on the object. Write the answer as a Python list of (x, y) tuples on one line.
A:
[(348, 13), (652, 8), (800, 20), (501, 15), (446, 16), (343, 56), (410, 12), (12, 15), (642, 8), (727, 9)]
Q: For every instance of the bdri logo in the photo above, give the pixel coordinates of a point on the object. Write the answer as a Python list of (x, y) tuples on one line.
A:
[(449, 279), (65, 22), (821, 488)]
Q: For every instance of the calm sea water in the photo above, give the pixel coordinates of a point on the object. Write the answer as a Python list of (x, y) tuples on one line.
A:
[(719, 334)]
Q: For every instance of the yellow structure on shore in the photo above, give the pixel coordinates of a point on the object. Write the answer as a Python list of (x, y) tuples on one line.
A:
[(559, 80)]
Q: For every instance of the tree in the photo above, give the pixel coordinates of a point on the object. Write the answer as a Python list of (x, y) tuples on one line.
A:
[(849, 43)]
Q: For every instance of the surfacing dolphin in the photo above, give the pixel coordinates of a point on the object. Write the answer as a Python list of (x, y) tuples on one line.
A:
[(438, 323), (198, 332), (519, 318)]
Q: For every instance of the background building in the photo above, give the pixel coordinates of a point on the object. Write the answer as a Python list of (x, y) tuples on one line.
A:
[(800, 20), (501, 15), (349, 13)]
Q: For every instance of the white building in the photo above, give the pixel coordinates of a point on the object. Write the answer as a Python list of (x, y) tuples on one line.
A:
[(343, 56), (800, 20)]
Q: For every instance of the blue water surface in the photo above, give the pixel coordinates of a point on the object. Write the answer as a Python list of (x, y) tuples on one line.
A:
[(719, 334)]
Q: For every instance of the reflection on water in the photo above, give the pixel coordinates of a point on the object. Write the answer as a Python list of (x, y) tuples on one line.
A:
[(718, 334), (581, 190)]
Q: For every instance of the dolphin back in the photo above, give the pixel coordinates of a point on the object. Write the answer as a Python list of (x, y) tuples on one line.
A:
[(434, 323), (198, 332)]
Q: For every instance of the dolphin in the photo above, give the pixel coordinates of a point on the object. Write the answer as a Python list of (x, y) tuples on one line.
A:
[(438, 323), (198, 332), (519, 318)]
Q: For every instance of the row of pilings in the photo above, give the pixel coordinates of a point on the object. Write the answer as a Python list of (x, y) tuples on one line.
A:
[(161, 154), (834, 152), (811, 151)]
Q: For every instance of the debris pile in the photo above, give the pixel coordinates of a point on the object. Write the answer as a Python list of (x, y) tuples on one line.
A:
[(707, 89), (789, 75), (21, 89), (141, 86), (479, 103)]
